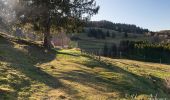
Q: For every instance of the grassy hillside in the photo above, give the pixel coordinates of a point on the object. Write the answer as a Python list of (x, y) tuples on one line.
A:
[(91, 42), (30, 72)]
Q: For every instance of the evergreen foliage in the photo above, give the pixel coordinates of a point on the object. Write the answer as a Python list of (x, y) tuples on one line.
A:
[(127, 28)]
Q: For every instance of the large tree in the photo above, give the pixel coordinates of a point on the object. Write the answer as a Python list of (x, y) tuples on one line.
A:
[(55, 14)]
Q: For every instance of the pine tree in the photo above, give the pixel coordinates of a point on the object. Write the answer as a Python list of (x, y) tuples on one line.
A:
[(125, 35), (108, 34), (105, 50), (57, 14)]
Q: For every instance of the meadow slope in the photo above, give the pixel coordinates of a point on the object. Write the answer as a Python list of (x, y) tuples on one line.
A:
[(30, 72)]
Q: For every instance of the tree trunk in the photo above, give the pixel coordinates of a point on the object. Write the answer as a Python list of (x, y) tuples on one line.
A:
[(47, 36), (47, 40)]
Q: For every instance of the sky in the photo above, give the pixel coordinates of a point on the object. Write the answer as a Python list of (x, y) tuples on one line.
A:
[(151, 14)]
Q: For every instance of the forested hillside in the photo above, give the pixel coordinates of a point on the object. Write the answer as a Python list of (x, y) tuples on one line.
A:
[(127, 28), (108, 37)]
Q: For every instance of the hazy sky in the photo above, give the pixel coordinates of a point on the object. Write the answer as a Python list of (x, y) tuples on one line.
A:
[(151, 14)]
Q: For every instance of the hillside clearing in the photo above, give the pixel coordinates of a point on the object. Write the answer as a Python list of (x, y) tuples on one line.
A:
[(92, 42), (30, 72)]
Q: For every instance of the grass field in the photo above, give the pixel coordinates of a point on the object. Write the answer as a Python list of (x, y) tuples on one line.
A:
[(30, 72), (90, 42)]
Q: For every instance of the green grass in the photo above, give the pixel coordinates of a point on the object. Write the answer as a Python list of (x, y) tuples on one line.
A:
[(30, 72), (90, 42)]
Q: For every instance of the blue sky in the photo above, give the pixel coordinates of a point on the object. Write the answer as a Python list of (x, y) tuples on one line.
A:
[(151, 14)]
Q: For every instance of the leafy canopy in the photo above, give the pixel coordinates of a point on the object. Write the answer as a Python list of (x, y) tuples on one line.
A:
[(59, 13)]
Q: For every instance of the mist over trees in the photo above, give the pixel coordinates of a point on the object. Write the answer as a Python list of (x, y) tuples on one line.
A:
[(48, 15), (58, 15), (7, 14)]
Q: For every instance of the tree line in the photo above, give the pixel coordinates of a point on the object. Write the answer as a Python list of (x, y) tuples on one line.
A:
[(99, 33), (141, 49), (127, 28)]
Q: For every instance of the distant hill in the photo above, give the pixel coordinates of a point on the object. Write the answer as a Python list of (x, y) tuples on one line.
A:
[(165, 32), (98, 33), (161, 36), (128, 28)]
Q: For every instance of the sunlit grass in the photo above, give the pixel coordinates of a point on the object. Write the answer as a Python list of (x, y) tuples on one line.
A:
[(29, 72)]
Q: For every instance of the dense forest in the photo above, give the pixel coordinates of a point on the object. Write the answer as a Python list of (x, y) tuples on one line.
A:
[(140, 50), (99, 33), (127, 28)]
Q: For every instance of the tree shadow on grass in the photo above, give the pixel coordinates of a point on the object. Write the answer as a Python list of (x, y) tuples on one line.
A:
[(24, 59), (4, 94), (129, 83)]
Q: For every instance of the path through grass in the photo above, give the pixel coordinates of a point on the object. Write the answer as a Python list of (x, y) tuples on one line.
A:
[(30, 72)]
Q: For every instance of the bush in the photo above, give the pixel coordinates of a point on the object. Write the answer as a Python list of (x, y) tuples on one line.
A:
[(72, 44)]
